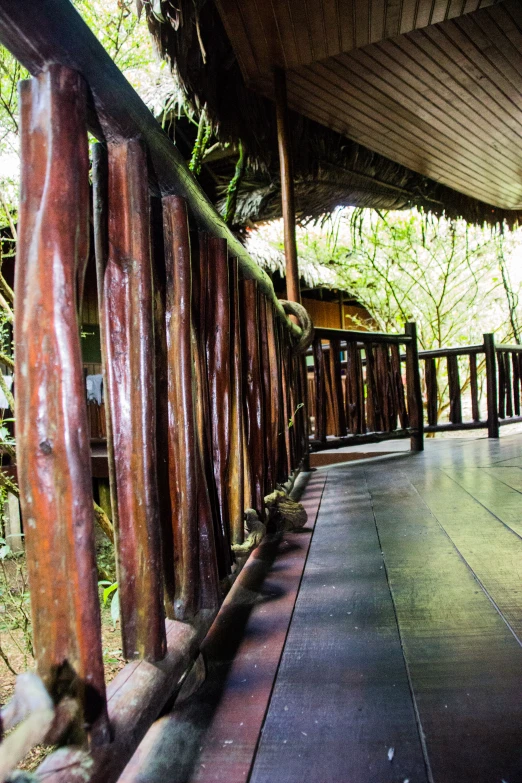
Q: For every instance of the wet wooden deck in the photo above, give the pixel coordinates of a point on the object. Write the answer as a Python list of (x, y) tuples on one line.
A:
[(403, 658)]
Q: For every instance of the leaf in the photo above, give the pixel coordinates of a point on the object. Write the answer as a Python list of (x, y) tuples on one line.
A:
[(5, 551), (108, 590), (115, 608)]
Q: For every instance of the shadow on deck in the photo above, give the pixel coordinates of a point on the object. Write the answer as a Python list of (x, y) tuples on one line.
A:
[(403, 658)]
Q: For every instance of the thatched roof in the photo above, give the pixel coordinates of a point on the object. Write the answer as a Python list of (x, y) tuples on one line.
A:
[(330, 169)]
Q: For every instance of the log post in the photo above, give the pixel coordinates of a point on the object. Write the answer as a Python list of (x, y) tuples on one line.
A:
[(287, 186), (236, 504), (182, 440), (491, 384), (129, 335), (54, 464), (255, 413), (218, 354), (473, 383), (414, 391)]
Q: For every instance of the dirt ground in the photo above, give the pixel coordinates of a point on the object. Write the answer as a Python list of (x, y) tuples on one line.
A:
[(15, 657)]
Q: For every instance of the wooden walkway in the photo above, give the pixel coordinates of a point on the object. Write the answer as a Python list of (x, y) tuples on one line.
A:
[(403, 658)]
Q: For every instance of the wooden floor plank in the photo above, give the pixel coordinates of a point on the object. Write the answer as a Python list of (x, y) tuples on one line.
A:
[(341, 705), (213, 737), (464, 662), (488, 540), (512, 476), (502, 500)]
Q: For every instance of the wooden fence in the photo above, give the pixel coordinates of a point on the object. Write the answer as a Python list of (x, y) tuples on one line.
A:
[(202, 381), (494, 372), (358, 388), (206, 390), (364, 389)]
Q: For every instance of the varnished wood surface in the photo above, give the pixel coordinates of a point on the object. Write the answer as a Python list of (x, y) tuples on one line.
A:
[(424, 551)]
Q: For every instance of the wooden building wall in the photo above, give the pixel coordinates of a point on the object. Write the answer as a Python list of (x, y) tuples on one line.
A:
[(328, 314)]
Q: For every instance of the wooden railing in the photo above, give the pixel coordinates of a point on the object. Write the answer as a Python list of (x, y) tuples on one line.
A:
[(364, 390), (203, 389), (493, 372), (206, 391)]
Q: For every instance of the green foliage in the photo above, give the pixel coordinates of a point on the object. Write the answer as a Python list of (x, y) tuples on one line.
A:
[(121, 32), (408, 266), (111, 589), (15, 620), (454, 280)]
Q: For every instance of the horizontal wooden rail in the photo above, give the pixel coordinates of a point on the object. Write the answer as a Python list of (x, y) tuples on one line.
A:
[(465, 350), (352, 335), (509, 348), (53, 32)]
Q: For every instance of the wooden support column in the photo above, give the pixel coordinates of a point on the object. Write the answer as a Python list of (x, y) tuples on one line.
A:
[(54, 464), (413, 389), (287, 186), (491, 385), (129, 335)]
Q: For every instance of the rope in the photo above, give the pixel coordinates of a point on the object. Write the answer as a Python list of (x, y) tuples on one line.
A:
[(305, 322)]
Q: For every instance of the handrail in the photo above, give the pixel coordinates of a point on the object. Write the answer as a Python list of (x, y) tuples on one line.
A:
[(351, 335), (511, 348), (54, 32), (459, 350)]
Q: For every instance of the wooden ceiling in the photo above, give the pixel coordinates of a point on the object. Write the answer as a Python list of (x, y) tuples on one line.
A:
[(435, 85)]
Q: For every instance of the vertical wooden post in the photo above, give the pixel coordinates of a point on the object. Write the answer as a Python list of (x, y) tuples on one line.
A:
[(129, 335), (501, 388), (491, 384), (287, 186), (183, 467), (516, 383), (13, 523), (399, 386), (454, 390), (236, 503), (509, 386), (52, 430), (320, 390), (414, 391), (335, 374), (255, 414), (218, 346), (473, 383)]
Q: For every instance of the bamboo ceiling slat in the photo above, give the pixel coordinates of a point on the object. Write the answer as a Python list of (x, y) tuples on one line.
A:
[(413, 118), (435, 85), (376, 127), (468, 130), (289, 33)]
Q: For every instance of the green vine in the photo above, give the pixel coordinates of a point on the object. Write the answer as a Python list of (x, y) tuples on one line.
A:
[(202, 139), (233, 187)]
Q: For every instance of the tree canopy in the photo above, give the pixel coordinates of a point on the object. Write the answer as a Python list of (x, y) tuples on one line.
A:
[(455, 280)]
